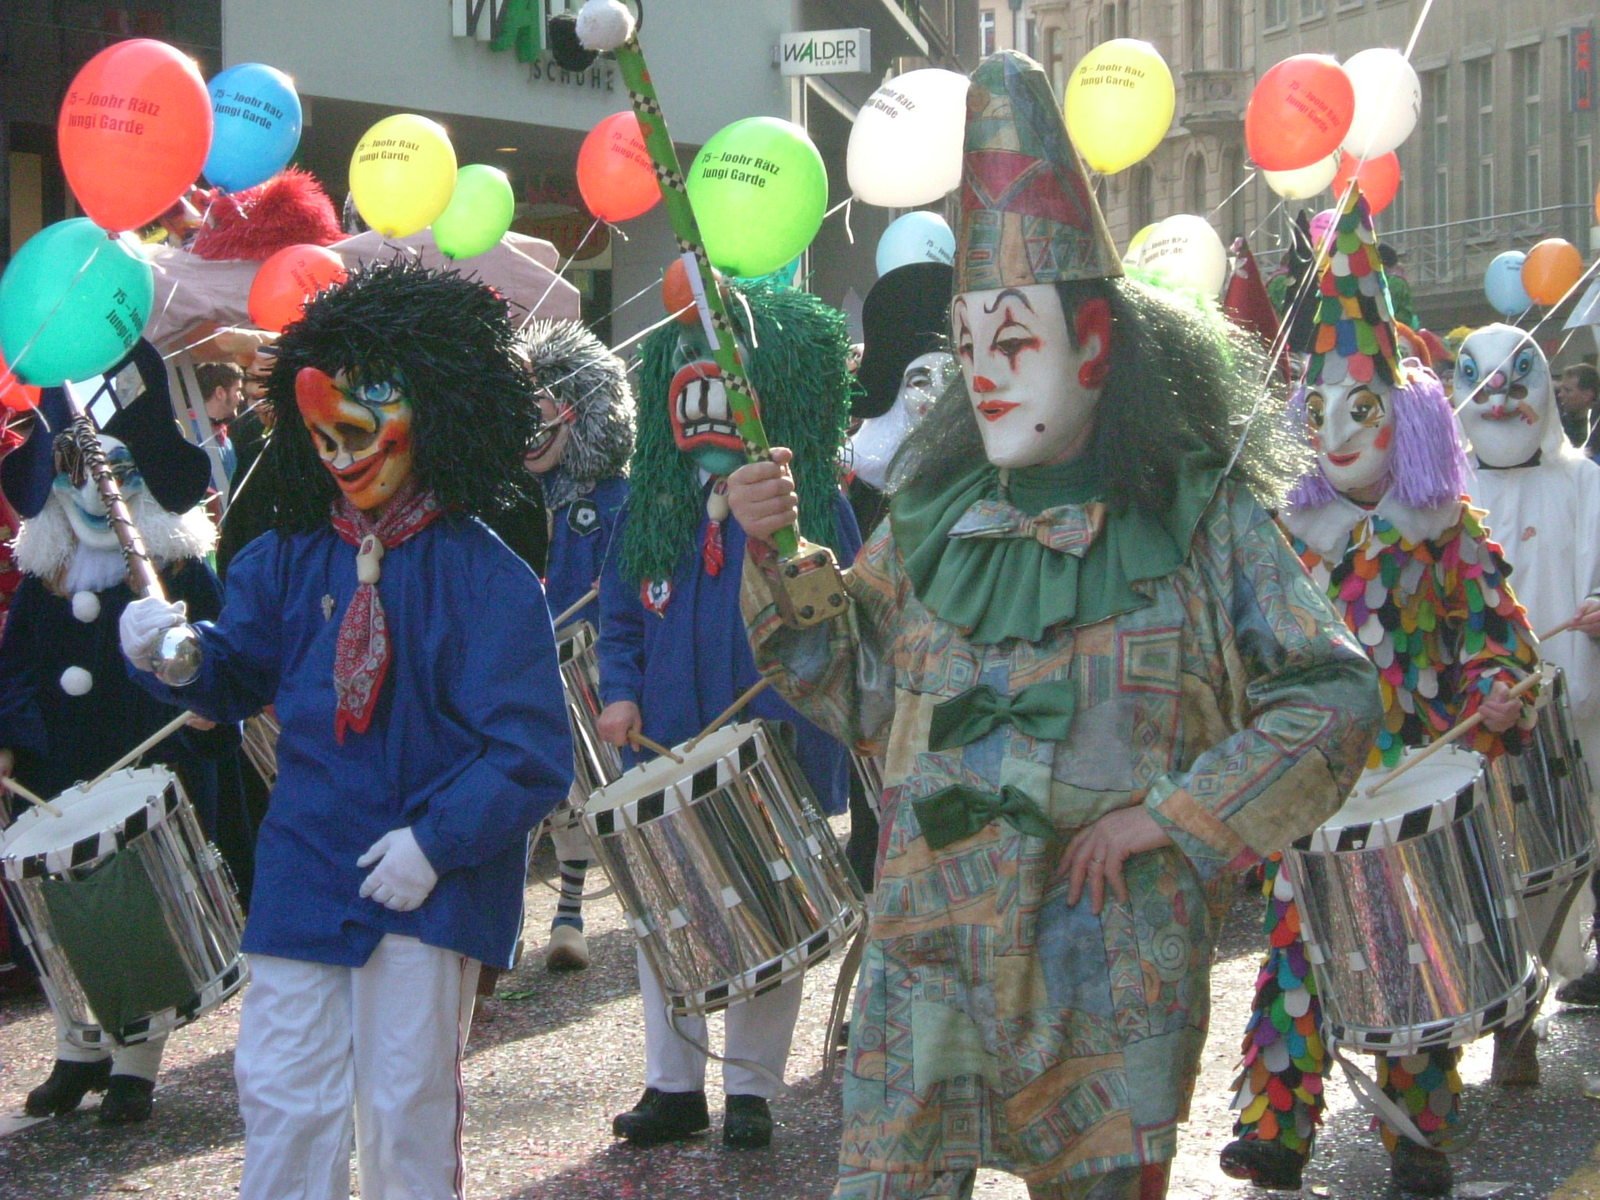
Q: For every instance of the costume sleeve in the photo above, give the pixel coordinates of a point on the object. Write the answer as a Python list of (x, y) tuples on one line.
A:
[(1494, 643), (839, 674), (507, 687), (621, 645), (22, 728), (239, 661), (1305, 698)]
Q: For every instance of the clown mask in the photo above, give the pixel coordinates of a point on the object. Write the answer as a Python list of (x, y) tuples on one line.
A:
[(555, 430), (362, 432), (697, 401), (1503, 395), (1351, 427), (873, 446), (79, 496), (1034, 386)]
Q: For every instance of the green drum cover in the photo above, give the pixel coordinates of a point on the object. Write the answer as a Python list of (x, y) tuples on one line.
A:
[(110, 926)]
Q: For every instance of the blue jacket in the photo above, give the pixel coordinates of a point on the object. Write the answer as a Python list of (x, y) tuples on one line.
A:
[(468, 744), (583, 533), (685, 666)]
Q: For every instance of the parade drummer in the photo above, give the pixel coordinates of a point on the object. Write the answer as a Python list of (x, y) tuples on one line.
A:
[(1381, 523), (411, 661), (580, 462), (1105, 684), (673, 654)]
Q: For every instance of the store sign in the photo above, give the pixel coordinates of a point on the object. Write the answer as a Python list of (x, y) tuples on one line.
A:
[(1582, 89), (825, 52), (518, 26)]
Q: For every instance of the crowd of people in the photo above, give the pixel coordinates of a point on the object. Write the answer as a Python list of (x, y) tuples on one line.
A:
[(1115, 634)]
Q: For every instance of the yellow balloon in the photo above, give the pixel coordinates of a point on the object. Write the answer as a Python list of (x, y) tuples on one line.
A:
[(1130, 256), (402, 174), (1119, 104)]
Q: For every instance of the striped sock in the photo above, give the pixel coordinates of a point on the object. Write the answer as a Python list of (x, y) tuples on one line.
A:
[(569, 909)]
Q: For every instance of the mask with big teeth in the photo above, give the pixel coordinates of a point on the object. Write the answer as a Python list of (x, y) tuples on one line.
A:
[(697, 401), (79, 495), (1504, 395), (361, 430)]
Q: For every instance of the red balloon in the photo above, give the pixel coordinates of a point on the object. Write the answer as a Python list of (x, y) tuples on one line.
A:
[(134, 132), (615, 173), (287, 280), (1379, 179), (14, 394), (1299, 112)]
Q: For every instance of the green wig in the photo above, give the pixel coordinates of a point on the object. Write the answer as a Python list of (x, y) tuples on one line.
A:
[(797, 365)]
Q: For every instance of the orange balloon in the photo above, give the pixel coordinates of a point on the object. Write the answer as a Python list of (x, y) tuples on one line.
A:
[(14, 394), (1551, 270), (134, 132), (286, 281), (1379, 178), (615, 173), (677, 297)]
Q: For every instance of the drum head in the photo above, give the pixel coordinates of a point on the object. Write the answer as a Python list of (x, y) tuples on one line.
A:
[(662, 773), (1436, 780), (107, 810)]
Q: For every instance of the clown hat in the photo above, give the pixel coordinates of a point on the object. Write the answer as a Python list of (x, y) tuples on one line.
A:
[(1028, 214), (906, 315), (1354, 331)]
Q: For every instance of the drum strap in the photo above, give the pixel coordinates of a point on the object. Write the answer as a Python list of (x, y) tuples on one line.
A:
[(839, 1014), (775, 1080), (1372, 1098)]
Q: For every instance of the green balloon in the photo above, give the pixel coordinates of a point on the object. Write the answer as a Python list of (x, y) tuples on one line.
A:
[(479, 212), (72, 303), (759, 191)]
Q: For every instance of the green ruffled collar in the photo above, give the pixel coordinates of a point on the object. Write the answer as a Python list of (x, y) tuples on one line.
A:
[(1010, 554)]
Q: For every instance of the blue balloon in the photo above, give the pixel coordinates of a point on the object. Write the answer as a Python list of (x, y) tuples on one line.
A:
[(913, 238), (785, 276), (1502, 284), (256, 116), (72, 303)]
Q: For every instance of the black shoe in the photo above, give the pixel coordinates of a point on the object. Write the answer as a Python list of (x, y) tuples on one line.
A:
[(128, 1101), (68, 1084), (1269, 1165), (663, 1117), (1420, 1170), (1584, 991), (746, 1123)]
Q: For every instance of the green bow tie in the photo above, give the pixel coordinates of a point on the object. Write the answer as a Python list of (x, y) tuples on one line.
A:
[(1043, 712), (959, 811)]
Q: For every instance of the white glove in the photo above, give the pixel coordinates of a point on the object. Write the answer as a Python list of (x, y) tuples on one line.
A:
[(143, 622), (403, 877)]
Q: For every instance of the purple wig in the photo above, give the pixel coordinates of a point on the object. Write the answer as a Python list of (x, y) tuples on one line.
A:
[(1428, 467)]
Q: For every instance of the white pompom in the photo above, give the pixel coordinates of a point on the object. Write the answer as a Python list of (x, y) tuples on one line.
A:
[(604, 25), (85, 606), (75, 681)]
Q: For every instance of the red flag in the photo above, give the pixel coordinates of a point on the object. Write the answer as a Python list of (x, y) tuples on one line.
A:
[(1245, 301)]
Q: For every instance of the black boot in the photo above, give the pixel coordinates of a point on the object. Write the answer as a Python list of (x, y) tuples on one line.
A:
[(1420, 1170), (1269, 1165), (68, 1084), (663, 1117), (128, 1101), (746, 1123), (1584, 991)]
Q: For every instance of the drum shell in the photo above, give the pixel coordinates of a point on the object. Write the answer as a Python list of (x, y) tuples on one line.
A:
[(1541, 797), (158, 862), (1414, 933), (731, 878), (595, 761)]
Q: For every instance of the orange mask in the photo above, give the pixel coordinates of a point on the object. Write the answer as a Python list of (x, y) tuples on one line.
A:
[(362, 432)]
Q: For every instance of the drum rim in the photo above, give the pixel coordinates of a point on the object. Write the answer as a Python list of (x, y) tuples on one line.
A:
[(792, 963), (574, 640), (1383, 832), (151, 813), (729, 753), (1453, 1031)]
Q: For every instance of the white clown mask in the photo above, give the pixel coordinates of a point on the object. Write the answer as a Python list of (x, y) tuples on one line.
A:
[(1034, 392), (1503, 396), (81, 500), (1351, 427), (874, 445)]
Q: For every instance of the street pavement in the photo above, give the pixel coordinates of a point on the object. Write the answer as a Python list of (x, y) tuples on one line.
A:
[(552, 1057)]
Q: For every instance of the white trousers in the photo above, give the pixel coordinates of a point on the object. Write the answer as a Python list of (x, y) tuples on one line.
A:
[(758, 1031), (387, 1036), (142, 1059)]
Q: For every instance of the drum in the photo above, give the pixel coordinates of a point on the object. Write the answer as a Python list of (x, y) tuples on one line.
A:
[(1409, 914), (131, 913), (731, 878), (595, 762), (869, 770), (260, 745), (1541, 797)]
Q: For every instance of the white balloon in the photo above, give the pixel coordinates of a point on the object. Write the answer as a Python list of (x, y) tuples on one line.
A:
[(1388, 101), (1304, 183), (1186, 252), (905, 147)]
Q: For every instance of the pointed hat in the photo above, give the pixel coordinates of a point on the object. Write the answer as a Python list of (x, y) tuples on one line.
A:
[(1354, 331), (1028, 214)]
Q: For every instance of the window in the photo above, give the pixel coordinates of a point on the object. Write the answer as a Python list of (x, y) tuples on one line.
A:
[(1054, 66), (1195, 34), (1142, 201), (1108, 23), (1233, 223), (1275, 14), (1310, 10), (1030, 36), (1232, 34), (1583, 170), (1480, 126), (986, 32), (1525, 76), (1435, 147), (1194, 184)]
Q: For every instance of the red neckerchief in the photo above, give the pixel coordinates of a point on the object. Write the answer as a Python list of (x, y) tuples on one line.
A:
[(361, 657)]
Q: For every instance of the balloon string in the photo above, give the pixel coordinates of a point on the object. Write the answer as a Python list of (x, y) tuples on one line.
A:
[(1243, 183), (34, 337), (560, 274)]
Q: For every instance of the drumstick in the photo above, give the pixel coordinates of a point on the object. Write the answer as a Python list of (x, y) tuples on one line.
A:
[(1561, 628), (750, 693), (1449, 736), (639, 739), (160, 735), (29, 796), (576, 606)]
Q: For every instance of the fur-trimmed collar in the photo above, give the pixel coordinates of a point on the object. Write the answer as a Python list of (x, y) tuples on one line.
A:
[(1326, 528), (46, 546)]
